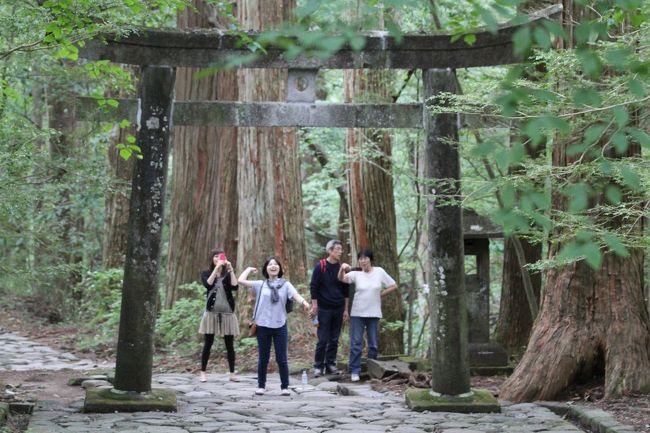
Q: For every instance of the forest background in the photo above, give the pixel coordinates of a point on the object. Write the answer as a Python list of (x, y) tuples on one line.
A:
[(65, 185)]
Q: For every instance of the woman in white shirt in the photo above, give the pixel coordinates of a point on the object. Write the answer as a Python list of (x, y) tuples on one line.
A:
[(270, 315), (371, 283)]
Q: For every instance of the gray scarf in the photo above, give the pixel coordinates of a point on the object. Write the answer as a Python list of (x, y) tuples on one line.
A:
[(275, 286)]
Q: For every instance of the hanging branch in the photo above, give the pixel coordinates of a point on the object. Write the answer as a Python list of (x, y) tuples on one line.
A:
[(519, 249)]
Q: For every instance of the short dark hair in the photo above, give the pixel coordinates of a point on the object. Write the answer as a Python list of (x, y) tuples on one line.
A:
[(366, 252), (213, 253), (266, 263)]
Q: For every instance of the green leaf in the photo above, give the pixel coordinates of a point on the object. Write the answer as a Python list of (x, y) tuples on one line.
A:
[(578, 195), (576, 250), (591, 63), (617, 58), (470, 39), (542, 37), (630, 178), (130, 139), (640, 136), (357, 42), (124, 123), (113, 103), (636, 87), (593, 256), (593, 134), (502, 158), (614, 244), (521, 41), (544, 95), (613, 194), (620, 142), (555, 29), (489, 20), (125, 154), (507, 194), (587, 96), (621, 116), (293, 51)]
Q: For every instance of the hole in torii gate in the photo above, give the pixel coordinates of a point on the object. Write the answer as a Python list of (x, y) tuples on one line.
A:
[(159, 52)]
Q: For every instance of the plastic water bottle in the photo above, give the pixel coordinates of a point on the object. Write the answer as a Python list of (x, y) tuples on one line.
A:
[(304, 378)]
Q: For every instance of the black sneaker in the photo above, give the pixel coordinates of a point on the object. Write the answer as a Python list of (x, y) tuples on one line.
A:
[(318, 372), (330, 369)]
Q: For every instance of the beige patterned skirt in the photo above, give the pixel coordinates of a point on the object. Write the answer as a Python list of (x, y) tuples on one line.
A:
[(219, 324)]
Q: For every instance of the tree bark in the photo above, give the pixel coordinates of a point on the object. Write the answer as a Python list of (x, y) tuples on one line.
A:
[(591, 321), (271, 218), (67, 227), (515, 318), (372, 205), (204, 198), (116, 219)]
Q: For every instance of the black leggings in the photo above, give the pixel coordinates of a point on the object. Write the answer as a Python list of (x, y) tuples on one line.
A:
[(230, 349)]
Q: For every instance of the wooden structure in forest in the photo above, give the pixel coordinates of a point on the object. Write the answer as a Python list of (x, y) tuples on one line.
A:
[(155, 112)]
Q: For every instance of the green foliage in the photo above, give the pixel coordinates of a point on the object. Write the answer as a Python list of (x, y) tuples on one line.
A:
[(100, 295), (177, 327), (586, 100)]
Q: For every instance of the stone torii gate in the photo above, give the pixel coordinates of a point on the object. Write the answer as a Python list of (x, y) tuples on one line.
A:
[(155, 111)]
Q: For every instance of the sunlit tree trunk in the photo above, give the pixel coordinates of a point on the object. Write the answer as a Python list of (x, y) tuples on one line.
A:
[(271, 218), (372, 205), (204, 182)]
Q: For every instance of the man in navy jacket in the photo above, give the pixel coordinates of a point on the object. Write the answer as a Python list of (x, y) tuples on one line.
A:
[(330, 299)]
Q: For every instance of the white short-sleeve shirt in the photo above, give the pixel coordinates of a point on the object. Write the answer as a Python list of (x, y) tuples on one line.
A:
[(268, 314), (367, 291)]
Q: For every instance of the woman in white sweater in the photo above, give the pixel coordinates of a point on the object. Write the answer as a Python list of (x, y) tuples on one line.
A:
[(371, 283)]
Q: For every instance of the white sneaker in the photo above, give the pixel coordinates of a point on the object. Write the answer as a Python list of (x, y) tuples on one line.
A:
[(233, 377), (354, 377), (260, 391), (203, 377), (285, 391)]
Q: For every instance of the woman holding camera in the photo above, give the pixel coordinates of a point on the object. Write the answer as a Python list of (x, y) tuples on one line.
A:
[(218, 317)]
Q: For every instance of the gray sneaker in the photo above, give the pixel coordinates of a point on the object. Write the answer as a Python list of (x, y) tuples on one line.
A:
[(318, 372), (330, 369)]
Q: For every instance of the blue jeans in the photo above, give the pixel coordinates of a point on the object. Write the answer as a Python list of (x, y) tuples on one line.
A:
[(357, 326), (329, 330), (280, 338)]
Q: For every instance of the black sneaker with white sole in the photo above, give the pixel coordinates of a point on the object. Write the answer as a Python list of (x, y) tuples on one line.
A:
[(330, 369)]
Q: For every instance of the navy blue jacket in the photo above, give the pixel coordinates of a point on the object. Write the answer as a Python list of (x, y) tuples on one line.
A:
[(326, 288)]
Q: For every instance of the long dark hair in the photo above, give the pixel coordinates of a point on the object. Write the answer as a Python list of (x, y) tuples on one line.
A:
[(266, 263), (213, 253)]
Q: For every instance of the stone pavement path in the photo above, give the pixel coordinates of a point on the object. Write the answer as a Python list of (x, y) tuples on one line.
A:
[(222, 406)]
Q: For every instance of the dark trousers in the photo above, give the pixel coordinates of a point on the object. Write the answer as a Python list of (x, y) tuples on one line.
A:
[(329, 330), (280, 339), (208, 340)]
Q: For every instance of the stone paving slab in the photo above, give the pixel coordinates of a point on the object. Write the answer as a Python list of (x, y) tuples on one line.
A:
[(219, 405)]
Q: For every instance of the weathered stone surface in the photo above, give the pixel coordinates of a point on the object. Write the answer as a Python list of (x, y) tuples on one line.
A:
[(207, 48), (107, 401), (480, 401), (380, 369), (21, 407), (487, 355)]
